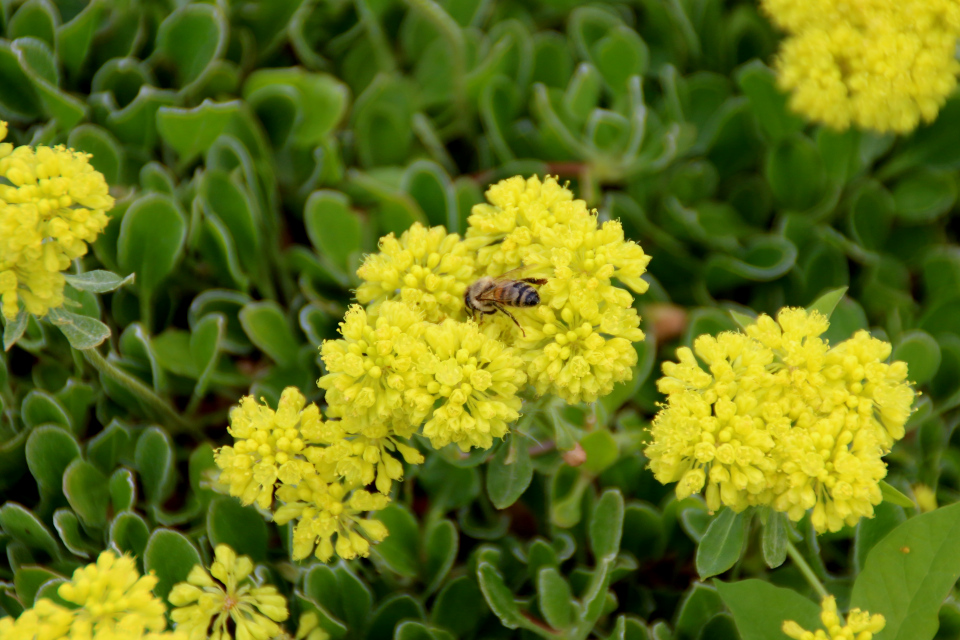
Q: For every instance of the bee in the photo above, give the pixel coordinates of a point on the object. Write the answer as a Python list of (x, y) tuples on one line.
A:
[(488, 295)]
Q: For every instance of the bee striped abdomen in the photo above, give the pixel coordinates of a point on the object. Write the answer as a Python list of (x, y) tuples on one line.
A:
[(528, 296)]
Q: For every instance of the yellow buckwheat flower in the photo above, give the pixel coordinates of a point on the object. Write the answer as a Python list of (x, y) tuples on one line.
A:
[(113, 601), (429, 269), (471, 384), (267, 446), (325, 510), (372, 366), (782, 419), (877, 64), (52, 204), (860, 625), (577, 342), (204, 606)]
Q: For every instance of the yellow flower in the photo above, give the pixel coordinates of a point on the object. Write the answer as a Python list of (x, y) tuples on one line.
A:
[(782, 419), (518, 213), (372, 366), (309, 628), (112, 599), (470, 383), (204, 606), (876, 64), (52, 204), (860, 625), (926, 497), (268, 446), (577, 341), (429, 269), (325, 510)]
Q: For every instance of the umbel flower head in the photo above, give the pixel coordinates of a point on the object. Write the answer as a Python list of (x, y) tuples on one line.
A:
[(428, 269), (470, 383), (877, 64), (578, 342), (860, 625), (207, 603), (112, 600), (315, 469), (782, 419), (52, 204)]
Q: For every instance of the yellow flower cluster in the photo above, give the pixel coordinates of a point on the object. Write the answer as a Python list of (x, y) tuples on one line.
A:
[(860, 625), (411, 361), (428, 269), (208, 606), (315, 471), (578, 342), (112, 601), (876, 64), (782, 419), (52, 203)]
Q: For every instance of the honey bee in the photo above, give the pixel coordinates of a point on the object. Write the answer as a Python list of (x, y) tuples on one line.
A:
[(488, 295)]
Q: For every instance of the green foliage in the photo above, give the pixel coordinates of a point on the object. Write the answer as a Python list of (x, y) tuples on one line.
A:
[(258, 151)]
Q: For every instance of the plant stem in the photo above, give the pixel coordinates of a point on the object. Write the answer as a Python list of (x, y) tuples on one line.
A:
[(805, 569), (174, 422)]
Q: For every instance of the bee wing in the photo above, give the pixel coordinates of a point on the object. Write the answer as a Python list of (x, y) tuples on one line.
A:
[(511, 275)]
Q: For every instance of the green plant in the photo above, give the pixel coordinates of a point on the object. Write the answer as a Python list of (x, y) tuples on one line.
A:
[(258, 154)]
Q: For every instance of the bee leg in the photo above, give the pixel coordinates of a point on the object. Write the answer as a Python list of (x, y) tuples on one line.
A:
[(537, 281), (500, 307)]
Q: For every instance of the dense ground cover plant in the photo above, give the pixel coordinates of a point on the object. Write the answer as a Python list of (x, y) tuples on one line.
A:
[(243, 395)]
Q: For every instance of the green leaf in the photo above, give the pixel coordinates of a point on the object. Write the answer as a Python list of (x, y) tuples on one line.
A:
[(74, 37), (191, 131), (509, 473), (892, 495), (921, 353), (333, 229), (925, 195), (34, 18), (231, 523), (151, 241), (39, 407), (155, 463), (774, 540), (97, 281), (13, 329), (23, 526), (321, 100), (699, 605), (826, 303), (601, 449), (391, 611), (87, 492), (459, 606), (499, 596), (440, 545), (205, 343), (606, 525), (189, 39), (108, 154), (267, 327), (759, 83), (123, 490), (129, 533), (171, 555), (71, 534), (83, 332), (50, 450), (29, 580), (722, 544), (399, 552), (909, 573), (795, 172), (870, 531), (555, 599), (759, 608)]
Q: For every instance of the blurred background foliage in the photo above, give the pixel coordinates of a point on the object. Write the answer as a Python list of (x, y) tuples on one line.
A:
[(258, 150)]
